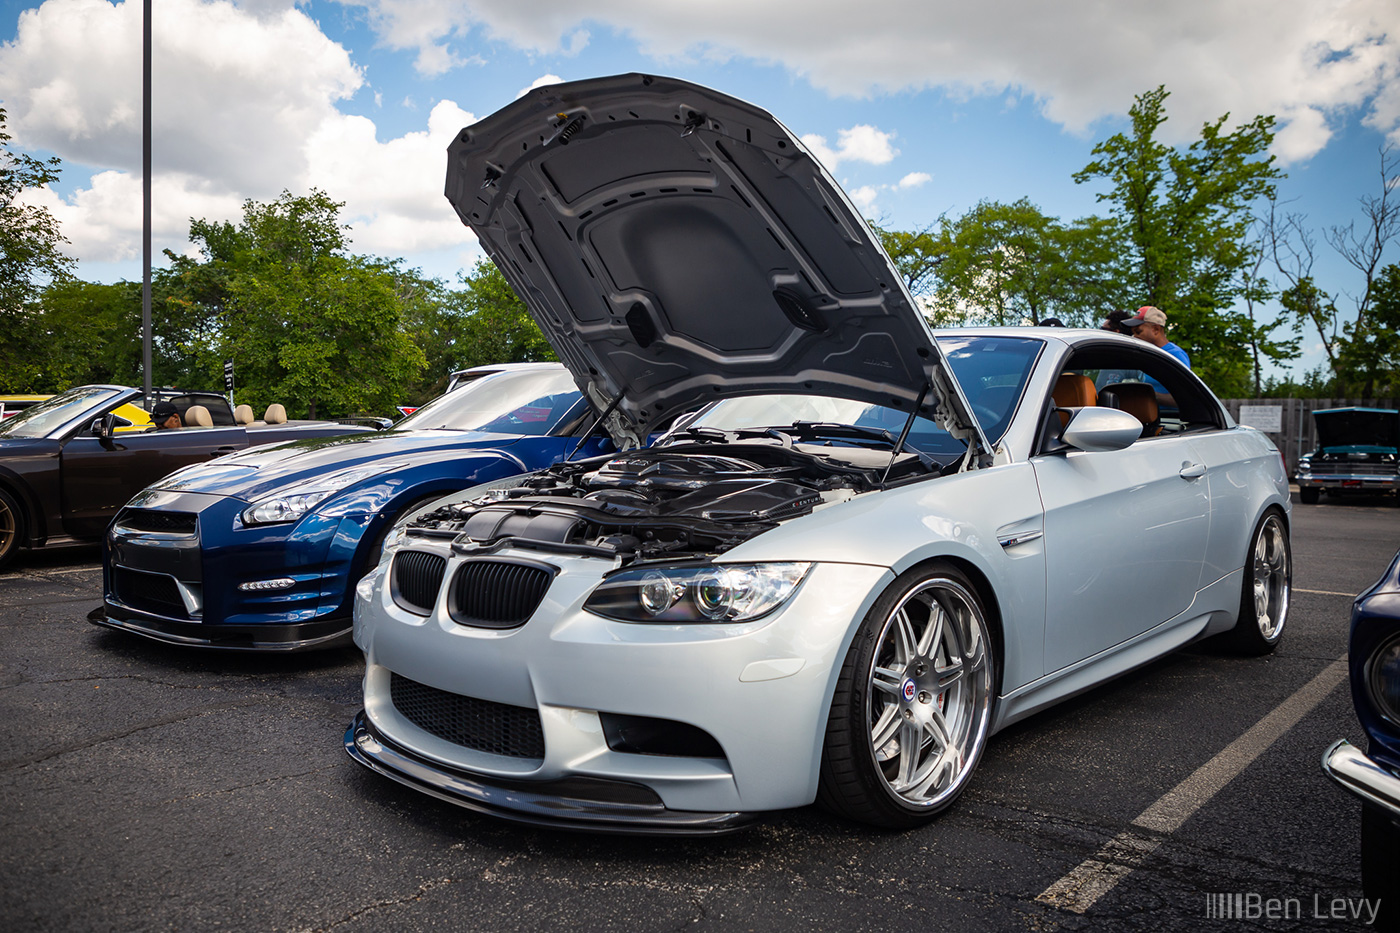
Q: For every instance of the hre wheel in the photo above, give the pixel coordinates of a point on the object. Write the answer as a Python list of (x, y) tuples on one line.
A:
[(1268, 582), (11, 527), (1309, 495), (913, 702), (1380, 864)]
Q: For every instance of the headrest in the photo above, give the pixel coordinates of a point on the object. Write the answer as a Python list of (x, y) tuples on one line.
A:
[(1073, 390), (243, 414), (198, 416), (276, 414)]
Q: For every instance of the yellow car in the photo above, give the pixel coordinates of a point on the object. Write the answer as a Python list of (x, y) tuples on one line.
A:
[(13, 404)]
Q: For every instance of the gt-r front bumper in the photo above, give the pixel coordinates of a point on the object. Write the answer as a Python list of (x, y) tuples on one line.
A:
[(759, 690)]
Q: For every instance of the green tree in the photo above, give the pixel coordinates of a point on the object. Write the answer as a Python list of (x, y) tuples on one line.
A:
[(30, 258), (1370, 352), (1183, 217), (305, 322)]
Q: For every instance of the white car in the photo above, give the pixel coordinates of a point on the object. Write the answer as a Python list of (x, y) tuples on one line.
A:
[(872, 548)]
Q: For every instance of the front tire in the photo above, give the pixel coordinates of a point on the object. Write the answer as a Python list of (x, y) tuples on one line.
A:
[(11, 527), (1309, 495), (1380, 864), (1268, 584), (912, 705)]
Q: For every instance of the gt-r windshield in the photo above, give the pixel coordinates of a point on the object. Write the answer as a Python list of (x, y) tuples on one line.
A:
[(526, 402), (991, 370), (40, 419)]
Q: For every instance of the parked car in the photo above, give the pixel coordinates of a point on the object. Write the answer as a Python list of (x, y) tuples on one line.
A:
[(1374, 775), (69, 462), (875, 549), (11, 405), (1356, 453), (260, 550)]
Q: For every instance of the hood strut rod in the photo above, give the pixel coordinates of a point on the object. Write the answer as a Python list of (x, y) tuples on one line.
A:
[(903, 435), (601, 418)]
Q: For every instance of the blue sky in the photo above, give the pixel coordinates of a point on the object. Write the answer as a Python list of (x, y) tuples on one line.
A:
[(918, 107)]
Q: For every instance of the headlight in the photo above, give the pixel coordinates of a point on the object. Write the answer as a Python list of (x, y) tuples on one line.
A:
[(1383, 679), (712, 593), (292, 502), (1304, 466)]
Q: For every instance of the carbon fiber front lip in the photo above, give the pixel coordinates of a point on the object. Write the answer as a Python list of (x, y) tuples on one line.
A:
[(328, 633), (516, 801)]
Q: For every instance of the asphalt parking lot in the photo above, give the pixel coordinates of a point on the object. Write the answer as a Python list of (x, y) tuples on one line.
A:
[(148, 788)]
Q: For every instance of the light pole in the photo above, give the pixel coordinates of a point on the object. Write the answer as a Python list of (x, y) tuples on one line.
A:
[(146, 200)]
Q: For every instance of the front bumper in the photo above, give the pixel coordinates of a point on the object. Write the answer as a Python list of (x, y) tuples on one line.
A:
[(174, 561), (1362, 776), (761, 690), (582, 804), (1350, 482)]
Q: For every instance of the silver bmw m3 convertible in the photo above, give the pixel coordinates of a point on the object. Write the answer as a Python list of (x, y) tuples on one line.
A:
[(860, 548)]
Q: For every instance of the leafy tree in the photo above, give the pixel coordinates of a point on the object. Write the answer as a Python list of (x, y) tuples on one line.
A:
[(30, 257), (484, 321), (1183, 216), (1370, 354), (305, 322)]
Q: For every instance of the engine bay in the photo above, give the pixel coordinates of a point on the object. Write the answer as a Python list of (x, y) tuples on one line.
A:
[(688, 500)]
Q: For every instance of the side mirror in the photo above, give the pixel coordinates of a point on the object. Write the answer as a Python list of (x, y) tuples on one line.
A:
[(106, 426), (1098, 429)]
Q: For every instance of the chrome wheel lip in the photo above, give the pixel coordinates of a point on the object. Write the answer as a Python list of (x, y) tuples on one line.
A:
[(935, 684), (9, 528), (1271, 568)]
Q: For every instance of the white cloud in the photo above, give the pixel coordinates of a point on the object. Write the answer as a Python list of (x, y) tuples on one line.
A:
[(915, 179), (541, 81), (864, 197), (244, 108), (1079, 62), (862, 143)]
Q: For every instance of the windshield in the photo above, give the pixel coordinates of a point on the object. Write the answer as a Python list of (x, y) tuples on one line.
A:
[(41, 418), (991, 370), (530, 402)]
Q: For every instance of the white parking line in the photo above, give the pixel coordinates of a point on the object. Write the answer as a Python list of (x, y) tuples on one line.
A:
[(1095, 877), (1299, 589)]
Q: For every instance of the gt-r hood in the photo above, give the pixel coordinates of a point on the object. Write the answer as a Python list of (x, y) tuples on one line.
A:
[(1350, 427), (678, 246), (259, 471)]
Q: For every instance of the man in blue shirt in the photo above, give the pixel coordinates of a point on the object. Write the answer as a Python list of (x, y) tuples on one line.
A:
[(1150, 325)]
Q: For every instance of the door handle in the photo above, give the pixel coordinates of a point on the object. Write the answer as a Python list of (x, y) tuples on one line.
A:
[(1192, 470), (220, 451)]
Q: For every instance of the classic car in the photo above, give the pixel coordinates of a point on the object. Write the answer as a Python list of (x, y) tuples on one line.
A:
[(878, 546), (258, 550), (69, 462), (1355, 454), (1373, 776)]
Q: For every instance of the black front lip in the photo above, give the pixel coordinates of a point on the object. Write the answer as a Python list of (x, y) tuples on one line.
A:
[(281, 639), (522, 803)]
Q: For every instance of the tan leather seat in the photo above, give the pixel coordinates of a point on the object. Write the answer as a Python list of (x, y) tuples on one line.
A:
[(1139, 400), (1073, 391), (275, 414), (243, 414), (197, 416)]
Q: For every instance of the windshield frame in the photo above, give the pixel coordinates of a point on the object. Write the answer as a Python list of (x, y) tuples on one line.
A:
[(74, 407)]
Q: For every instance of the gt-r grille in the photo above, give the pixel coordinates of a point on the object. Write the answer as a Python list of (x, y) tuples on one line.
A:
[(1333, 468), (148, 592), (513, 731), (416, 579), (497, 593), (158, 520)]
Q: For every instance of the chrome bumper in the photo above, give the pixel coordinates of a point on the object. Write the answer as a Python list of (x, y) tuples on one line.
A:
[(540, 804), (1345, 764)]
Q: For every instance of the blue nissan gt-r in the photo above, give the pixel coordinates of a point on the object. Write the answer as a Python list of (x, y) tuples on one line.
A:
[(260, 550)]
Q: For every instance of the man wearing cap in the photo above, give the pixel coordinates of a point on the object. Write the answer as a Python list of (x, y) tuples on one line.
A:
[(1150, 324), (166, 416)]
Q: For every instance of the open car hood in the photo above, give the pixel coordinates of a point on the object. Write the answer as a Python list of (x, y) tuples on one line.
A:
[(678, 246), (1347, 427)]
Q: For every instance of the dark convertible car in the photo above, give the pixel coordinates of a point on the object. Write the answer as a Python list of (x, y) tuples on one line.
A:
[(260, 551), (69, 462)]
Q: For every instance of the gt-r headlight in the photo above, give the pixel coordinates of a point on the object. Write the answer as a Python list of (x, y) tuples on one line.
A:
[(292, 502), (709, 593), (1383, 679)]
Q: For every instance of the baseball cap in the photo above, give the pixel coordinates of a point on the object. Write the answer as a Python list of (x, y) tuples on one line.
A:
[(1146, 315), (163, 410)]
